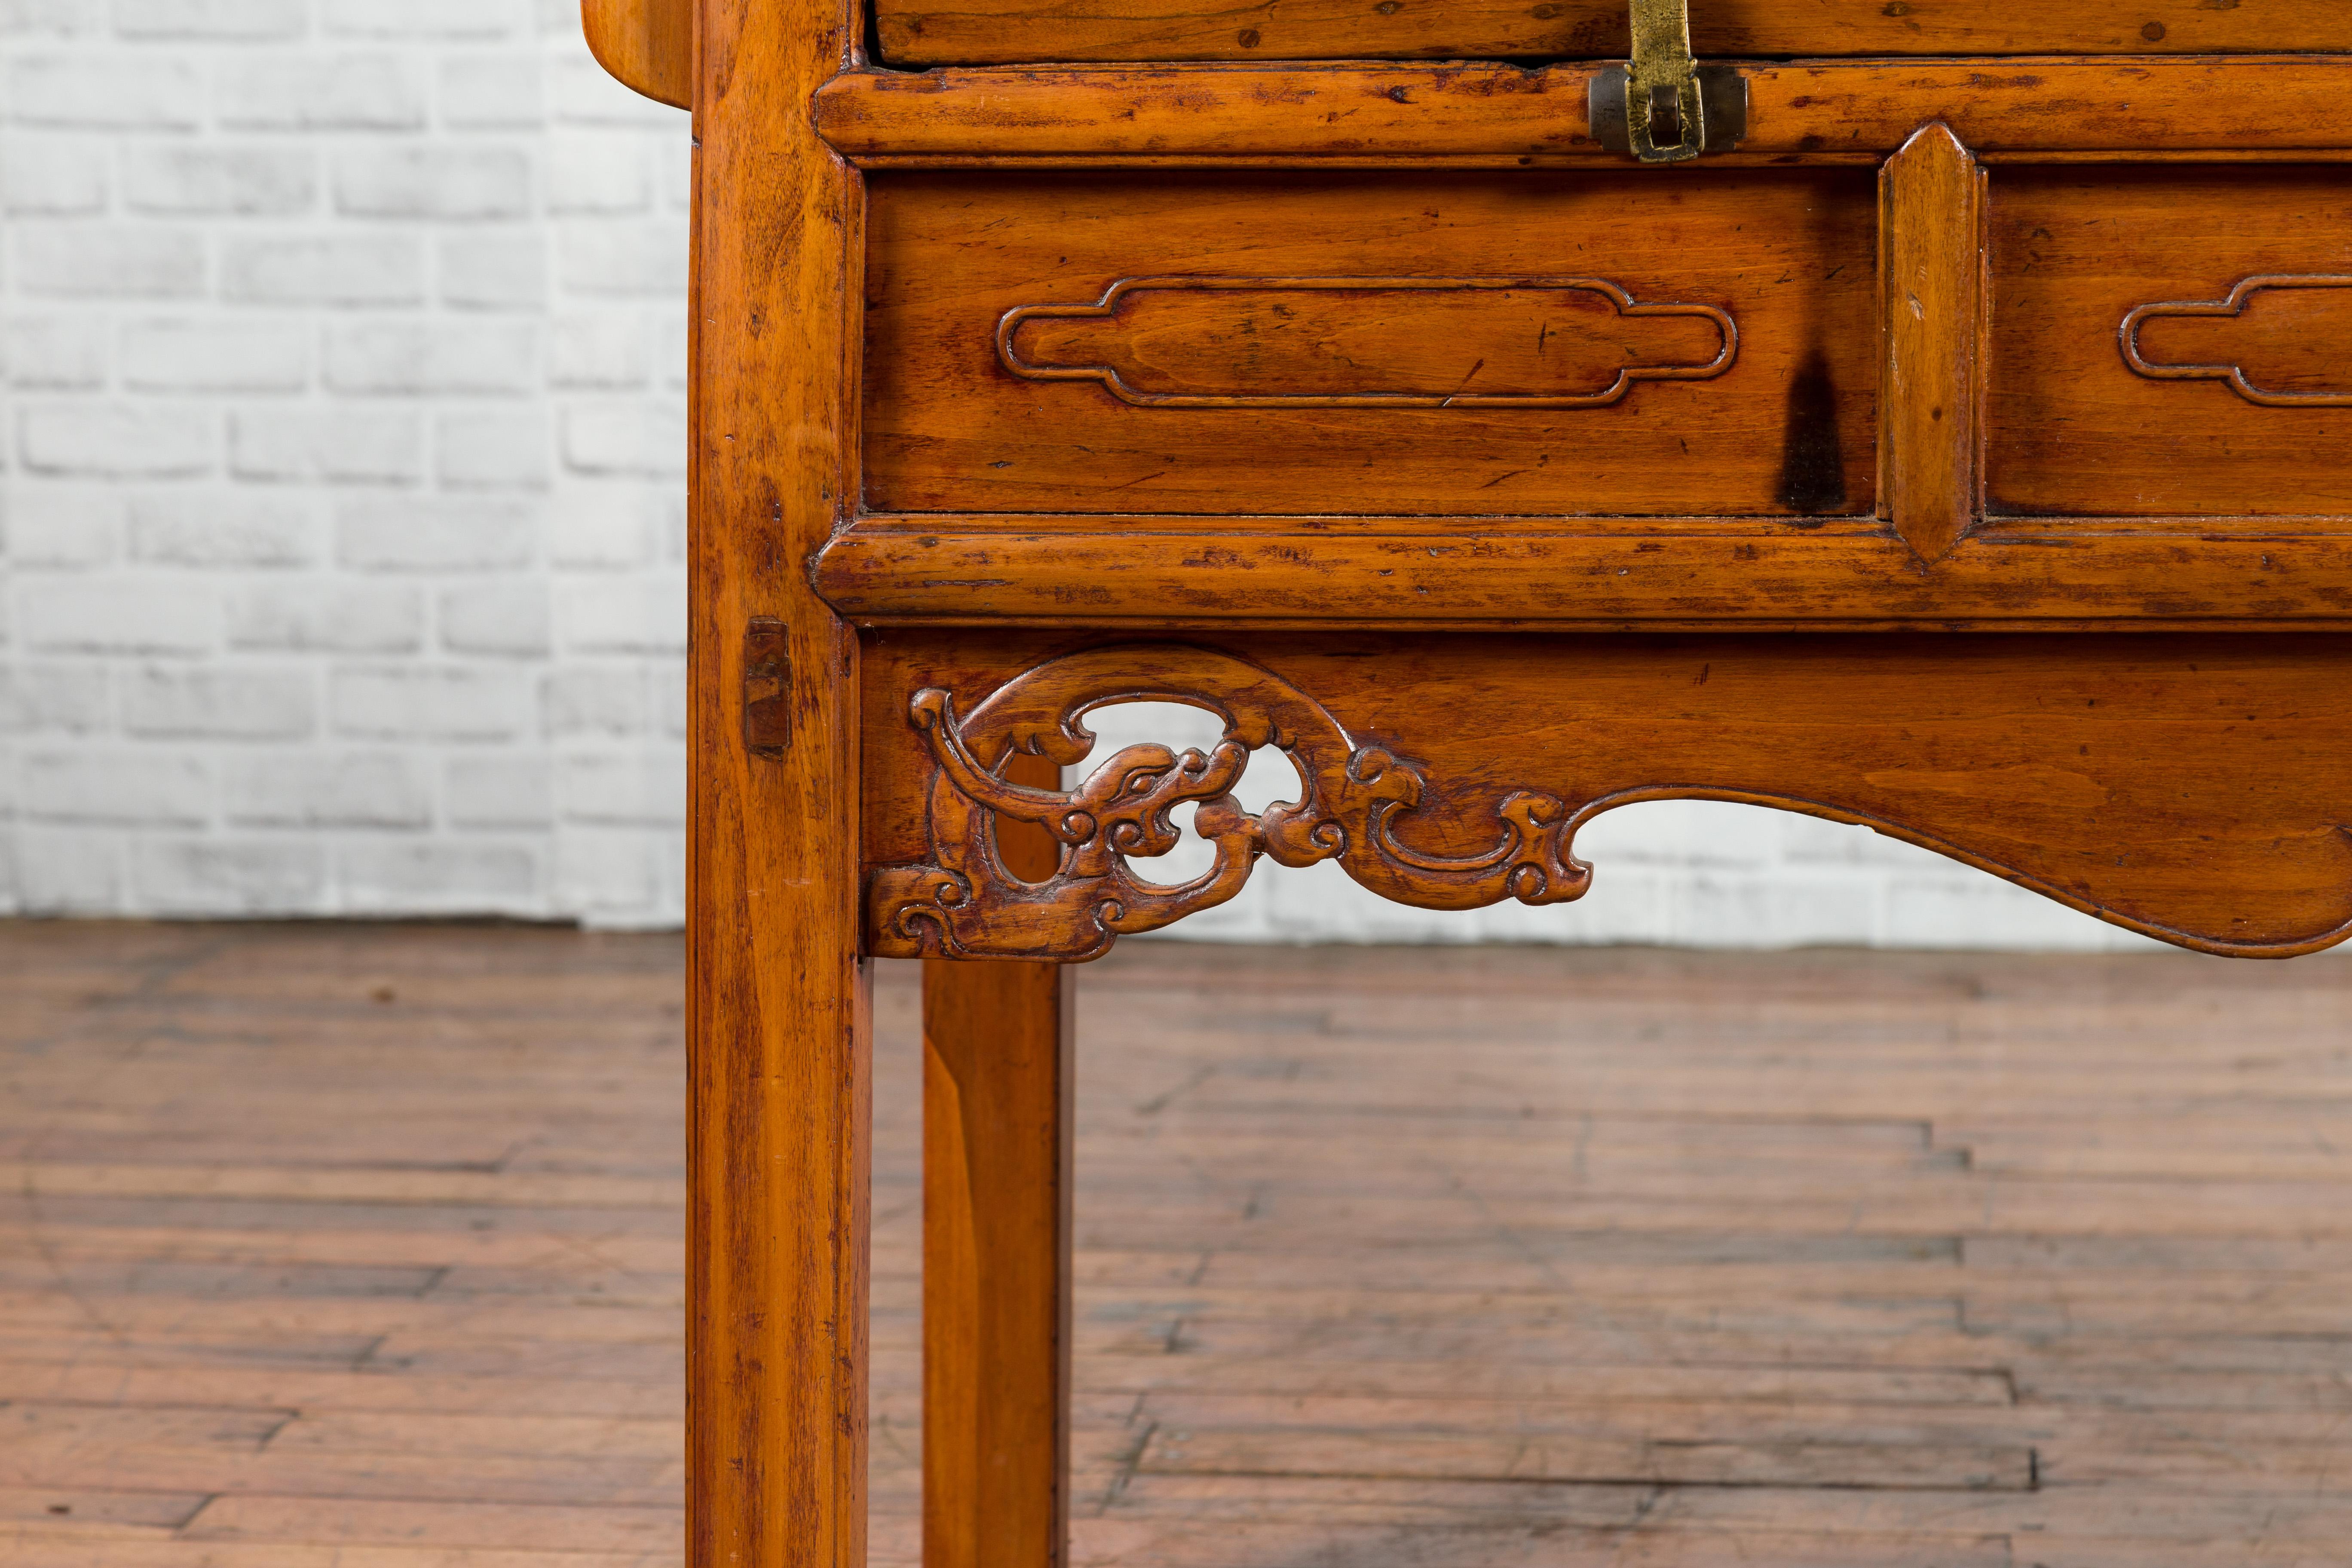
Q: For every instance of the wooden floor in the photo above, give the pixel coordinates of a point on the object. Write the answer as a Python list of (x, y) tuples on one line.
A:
[(358, 1248)]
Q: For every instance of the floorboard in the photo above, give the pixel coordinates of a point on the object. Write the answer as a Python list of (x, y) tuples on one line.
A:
[(335, 1247)]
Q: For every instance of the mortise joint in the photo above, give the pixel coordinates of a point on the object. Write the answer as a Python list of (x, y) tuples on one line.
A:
[(767, 687)]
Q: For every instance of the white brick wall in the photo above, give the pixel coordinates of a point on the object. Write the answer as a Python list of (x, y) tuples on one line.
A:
[(343, 355), (343, 345)]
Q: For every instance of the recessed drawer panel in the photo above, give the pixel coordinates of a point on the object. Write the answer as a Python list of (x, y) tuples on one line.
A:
[(2172, 342), (985, 32), (1462, 344)]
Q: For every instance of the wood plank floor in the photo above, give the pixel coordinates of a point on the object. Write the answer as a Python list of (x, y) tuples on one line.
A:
[(335, 1247)]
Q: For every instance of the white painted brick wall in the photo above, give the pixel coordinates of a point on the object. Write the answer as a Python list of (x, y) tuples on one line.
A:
[(344, 349)]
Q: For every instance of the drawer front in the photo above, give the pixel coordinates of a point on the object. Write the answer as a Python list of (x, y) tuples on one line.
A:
[(985, 32), (1462, 344), (2172, 342)]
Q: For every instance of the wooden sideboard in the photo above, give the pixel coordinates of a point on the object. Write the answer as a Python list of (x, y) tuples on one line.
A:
[(1940, 424)]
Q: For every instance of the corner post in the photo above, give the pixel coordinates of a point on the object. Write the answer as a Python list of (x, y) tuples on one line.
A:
[(779, 1110)]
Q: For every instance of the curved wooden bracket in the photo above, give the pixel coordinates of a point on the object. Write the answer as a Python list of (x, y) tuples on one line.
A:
[(647, 45), (2115, 781)]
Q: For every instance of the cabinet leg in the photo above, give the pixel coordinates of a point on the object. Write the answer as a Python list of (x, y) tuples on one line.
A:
[(996, 1264), (996, 1249)]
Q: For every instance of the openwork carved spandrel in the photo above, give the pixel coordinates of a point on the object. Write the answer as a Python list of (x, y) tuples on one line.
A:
[(966, 904)]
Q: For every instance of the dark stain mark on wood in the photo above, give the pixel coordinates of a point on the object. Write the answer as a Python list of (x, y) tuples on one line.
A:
[(1812, 472)]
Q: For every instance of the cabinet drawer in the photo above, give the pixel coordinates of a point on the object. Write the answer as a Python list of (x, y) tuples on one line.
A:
[(991, 32), (1459, 345), (2172, 342)]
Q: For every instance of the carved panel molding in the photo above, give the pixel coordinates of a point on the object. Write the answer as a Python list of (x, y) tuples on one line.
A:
[(1366, 342), (2282, 351)]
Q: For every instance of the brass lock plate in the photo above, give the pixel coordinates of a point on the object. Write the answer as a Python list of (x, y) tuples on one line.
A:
[(1661, 106)]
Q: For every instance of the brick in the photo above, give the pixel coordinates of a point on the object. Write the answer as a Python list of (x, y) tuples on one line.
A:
[(336, 789), (433, 183), (67, 871), (68, 697), (218, 702), (370, 269), (583, 93), (513, 792), (595, 700), (492, 92), (675, 521), (640, 258), (117, 613), (631, 789), (636, 615), (53, 176), (676, 349), (606, 528), (108, 260), (430, 702), (670, 702), (642, 439), (218, 877), (117, 440), (468, 19), (217, 180), (106, 91), (603, 350), (58, 353), (231, 19), (595, 173), (677, 159), (75, 526), (353, 446), (605, 876), (500, 271), (145, 787), (229, 529), (328, 618), (493, 449), (506, 619), (238, 353), (434, 533), (51, 18), (398, 877), (309, 92), (432, 358)]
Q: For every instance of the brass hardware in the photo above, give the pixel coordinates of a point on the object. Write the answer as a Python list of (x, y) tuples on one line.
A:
[(1663, 107)]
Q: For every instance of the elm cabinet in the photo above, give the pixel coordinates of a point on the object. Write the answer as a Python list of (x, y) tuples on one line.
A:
[(1930, 415)]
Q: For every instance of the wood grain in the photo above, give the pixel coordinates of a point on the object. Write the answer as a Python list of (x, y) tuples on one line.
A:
[(647, 45), (777, 1031), (1784, 428), (1811, 112), (1932, 307), (1361, 1233), (998, 1084), (2074, 429), (977, 32), (1611, 573), (2182, 787)]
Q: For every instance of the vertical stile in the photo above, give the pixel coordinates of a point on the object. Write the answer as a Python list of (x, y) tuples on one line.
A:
[(1933, 312)]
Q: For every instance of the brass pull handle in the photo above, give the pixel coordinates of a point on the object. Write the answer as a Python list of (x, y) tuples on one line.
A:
[(1662, 106)]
